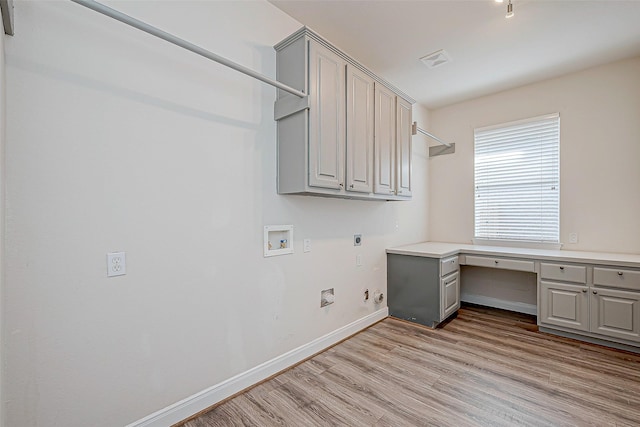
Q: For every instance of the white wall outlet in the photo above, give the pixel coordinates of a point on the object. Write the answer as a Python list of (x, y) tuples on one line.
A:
[(306, 245), (326, 297), (359, 260), (116, 264), (573, 237)]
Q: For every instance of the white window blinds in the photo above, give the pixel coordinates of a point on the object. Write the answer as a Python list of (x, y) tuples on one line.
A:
[(517, 180)]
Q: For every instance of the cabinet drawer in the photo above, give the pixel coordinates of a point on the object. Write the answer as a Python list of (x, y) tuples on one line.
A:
[(564, 273), (504, 263), (617, 278), (449, 265)]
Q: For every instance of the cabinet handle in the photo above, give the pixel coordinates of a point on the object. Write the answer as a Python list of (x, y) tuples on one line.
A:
[(341, 185), (399, 191), (390, 191), (496, 261), (585, 291), (561, 267), (620, 273), (595, 292), (351, 186)]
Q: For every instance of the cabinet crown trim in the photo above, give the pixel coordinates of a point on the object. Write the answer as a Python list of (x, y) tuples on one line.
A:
[(308, 32)]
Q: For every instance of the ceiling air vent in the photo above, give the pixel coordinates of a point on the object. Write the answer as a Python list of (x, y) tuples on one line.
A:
[(436, 59)]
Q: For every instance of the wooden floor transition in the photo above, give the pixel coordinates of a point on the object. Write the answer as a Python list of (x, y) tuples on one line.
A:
[(487, 367)]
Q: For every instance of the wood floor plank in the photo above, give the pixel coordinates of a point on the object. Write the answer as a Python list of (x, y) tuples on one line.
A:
[(486, 367)]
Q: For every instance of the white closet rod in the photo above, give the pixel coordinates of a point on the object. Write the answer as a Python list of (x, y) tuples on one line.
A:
[(424, 132), (126, 19)]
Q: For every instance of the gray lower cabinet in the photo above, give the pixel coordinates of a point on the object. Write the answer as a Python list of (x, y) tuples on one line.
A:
[(616, 313), (422, 290), (598, 300), (564, 304)]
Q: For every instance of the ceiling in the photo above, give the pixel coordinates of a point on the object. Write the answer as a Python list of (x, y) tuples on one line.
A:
[(489, 53)]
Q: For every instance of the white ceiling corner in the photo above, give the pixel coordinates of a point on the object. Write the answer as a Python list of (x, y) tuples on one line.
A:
[(544, 39)]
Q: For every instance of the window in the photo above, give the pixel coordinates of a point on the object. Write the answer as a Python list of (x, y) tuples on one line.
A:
[(517, 181)]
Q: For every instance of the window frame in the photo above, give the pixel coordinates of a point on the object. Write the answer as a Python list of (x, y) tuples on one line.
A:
[(523, 242)]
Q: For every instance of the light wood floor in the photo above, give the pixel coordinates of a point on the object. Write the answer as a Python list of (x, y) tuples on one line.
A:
[(487, 367)]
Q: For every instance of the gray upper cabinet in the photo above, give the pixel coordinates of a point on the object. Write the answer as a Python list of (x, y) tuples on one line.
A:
[(351, 136), (359, 131), (327, 123), (403, 148), (385, 141)]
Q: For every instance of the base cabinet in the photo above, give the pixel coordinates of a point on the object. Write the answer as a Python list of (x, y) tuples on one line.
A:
[(450, 294), (588, 301), (422, 290), (564, 305), (615, 313)]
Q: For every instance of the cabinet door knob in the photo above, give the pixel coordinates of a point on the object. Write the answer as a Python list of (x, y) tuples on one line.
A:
[(496, 261), (399, 191), (595, 292), (341, 185), (351, 186), (561, 267), (620, 273), (584, 290)]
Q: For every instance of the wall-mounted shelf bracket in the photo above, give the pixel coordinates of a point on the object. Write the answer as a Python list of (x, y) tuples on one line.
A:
[(447, 148), (288, 105)]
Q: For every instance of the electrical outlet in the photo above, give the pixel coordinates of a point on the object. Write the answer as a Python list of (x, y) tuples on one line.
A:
[(573, 237), (116, 264), (306, 245)]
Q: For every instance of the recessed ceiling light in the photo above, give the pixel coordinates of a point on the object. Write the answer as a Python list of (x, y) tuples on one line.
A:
[(436, 59)]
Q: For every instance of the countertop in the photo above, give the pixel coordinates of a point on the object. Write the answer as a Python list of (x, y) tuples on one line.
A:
[(444, 249)]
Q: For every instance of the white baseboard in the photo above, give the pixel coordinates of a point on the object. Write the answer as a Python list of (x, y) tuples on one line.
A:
[(200, 401), (519, 307)]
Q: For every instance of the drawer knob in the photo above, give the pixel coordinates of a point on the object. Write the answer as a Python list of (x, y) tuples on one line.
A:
[(595, 292), (496, 261), (561, 268), (620, 273), (585, 291)]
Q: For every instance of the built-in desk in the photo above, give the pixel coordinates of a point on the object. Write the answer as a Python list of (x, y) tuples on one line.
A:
[(592, 294)]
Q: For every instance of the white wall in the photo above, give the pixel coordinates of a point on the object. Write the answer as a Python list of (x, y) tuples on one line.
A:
[(117, 141), (599, 152)]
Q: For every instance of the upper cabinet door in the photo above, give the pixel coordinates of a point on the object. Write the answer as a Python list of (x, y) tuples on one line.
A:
[(359, 131), (385, 141), (403, 148), (327, 121)]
